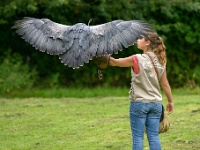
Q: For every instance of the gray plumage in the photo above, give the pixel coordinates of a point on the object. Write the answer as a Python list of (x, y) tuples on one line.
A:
[(77, 44)]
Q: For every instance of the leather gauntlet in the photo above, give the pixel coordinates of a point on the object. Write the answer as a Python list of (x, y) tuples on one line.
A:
[(102, 61)]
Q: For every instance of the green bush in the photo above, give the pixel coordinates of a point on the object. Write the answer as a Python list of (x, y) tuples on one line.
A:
[(176, 21), (195, 77), (14, 75)]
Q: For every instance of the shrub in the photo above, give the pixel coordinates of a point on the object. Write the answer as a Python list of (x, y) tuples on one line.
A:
[(14, 75)]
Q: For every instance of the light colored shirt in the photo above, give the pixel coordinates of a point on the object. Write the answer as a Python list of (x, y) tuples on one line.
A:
[(145, 85)]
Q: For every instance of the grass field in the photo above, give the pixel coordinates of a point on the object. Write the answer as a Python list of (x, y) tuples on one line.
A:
[(91, 123)]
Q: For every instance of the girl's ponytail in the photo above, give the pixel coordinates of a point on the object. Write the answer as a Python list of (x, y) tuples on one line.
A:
[(157, 46)]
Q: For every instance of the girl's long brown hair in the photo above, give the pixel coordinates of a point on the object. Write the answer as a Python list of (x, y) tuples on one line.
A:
[(157, 46)]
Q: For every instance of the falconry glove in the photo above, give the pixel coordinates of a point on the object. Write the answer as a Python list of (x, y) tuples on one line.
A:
[(102, 61)]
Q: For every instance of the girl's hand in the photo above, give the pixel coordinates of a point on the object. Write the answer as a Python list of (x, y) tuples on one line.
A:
[(170, 107)]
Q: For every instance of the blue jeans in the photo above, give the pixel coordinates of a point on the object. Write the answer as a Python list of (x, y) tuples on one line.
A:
[(145, 114)]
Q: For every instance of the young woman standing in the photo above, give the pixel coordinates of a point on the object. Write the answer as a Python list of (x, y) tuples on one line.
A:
[(145, 94)]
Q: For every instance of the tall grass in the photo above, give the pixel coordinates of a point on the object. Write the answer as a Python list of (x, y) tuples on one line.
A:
[(84, 92), (68, 92)]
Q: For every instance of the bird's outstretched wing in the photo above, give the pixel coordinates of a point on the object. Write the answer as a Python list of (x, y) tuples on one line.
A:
[(77, 44)]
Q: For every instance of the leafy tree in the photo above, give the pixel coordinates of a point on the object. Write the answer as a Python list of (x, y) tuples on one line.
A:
[(15, 75), (177, 21)]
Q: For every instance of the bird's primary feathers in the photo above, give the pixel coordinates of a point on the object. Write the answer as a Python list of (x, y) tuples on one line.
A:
[(77, 44)]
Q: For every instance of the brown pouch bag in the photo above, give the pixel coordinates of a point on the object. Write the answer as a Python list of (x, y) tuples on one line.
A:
[(164, 122)]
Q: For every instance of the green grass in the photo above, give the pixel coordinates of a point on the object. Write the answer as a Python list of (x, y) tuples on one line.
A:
[(67, 92), (92, 123), (84, 92)]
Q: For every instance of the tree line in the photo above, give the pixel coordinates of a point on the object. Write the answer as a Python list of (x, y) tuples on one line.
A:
[(176, 21)]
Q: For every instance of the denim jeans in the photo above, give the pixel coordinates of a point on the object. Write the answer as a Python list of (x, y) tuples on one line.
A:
[(145, 114)]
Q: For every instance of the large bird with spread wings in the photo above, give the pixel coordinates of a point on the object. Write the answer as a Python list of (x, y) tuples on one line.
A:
[(79, 43)]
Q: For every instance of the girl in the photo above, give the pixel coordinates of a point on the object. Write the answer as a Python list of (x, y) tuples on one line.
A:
[(145, 94)]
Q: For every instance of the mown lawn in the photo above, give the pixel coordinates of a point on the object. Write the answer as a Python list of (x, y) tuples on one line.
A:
[(92, 123)]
